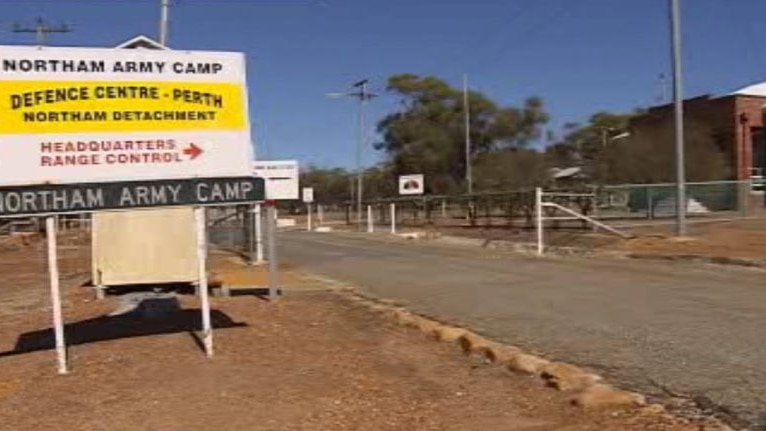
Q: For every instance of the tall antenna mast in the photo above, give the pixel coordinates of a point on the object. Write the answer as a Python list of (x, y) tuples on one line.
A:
[(41, 30)]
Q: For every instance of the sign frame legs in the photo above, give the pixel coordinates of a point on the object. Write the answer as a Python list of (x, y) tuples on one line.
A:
[(309, 226), (392, 207), (207, 330), (370, 223), (258, 231), (271, 233), (53, 271)]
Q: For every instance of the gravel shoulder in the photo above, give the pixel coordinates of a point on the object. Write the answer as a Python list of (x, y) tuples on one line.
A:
[(311, 361)]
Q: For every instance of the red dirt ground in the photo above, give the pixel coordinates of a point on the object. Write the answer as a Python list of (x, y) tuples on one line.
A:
[(311, 361)]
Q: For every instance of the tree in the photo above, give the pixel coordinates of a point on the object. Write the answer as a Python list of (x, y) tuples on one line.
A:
[(648, 155), (330, 185), (380, 182), (428, 134), (589, 146), (511, 170), (610, 151)]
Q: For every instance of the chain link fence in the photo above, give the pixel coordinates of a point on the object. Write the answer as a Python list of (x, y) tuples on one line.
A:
[(647, 203), (625, 206), (231, 228)]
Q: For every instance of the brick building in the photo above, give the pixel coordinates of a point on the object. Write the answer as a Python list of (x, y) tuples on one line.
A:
[(736, 121)]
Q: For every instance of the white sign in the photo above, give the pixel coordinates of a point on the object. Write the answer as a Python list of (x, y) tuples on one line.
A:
[(308, 195), (411, 184), (94, 115), (281, 178)]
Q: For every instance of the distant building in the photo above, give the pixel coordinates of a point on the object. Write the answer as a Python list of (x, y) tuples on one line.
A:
[(141, 42), (736, 121)]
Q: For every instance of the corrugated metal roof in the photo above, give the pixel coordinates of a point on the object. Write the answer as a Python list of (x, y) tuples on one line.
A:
[(752, 90)]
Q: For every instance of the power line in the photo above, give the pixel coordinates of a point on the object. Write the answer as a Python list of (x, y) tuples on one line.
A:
[(483, 40), (565, 7)]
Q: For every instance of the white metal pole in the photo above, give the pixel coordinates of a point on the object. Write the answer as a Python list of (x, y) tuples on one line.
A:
[(393, 217), (539, 217), (370, 225), (53, 270), (467, 119), (258, 234), (207, 330), (675, 25), (308, 220), (271, 234), (164, 12)]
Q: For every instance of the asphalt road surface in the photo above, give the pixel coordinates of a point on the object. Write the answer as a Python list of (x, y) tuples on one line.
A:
[(660, 328)]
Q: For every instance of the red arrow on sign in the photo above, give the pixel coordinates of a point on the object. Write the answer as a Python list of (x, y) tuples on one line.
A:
[(193, 151)]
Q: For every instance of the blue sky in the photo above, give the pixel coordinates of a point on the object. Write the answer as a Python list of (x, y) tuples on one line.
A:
[(580, 56)]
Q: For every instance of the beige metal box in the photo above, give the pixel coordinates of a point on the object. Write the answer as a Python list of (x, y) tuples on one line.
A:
[(147, 246)]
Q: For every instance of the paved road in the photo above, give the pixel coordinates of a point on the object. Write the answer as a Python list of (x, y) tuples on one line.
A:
[(660, 328)]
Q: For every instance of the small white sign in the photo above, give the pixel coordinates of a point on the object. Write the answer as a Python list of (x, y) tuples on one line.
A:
[(411, 184), (308, 195), (281, 177)]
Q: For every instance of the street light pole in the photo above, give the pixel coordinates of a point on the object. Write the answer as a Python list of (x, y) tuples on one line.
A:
[(675, 25), (364, 96)]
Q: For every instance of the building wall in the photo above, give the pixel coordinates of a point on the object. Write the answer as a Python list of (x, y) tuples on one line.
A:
[(725, 116), (749, 117)]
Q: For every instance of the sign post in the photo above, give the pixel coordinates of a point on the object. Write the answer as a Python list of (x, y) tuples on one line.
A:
[(308, 198), (207, 330), (271, 233), (370, 223), (393, 217), (258, 218), (53, 270), (308, 219)]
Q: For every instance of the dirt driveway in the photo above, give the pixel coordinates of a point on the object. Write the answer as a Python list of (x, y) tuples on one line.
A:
[(311, 361)]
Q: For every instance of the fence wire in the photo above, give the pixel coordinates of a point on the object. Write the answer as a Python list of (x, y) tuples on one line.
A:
[(618, 205)]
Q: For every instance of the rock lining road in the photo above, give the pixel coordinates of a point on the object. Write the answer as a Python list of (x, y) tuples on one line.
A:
[(660, 328)]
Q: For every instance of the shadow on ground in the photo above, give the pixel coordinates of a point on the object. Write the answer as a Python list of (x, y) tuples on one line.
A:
[(153, 316)]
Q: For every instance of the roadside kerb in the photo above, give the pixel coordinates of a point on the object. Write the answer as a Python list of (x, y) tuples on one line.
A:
[(588, 390)]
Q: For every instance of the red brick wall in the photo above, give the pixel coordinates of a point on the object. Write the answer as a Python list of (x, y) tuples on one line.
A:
[(752, 108)]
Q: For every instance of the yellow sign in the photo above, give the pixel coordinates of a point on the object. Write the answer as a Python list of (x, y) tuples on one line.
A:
[(120, 106)]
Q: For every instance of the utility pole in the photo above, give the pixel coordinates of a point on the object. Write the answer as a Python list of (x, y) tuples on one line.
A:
[(467, 113), (364, 96), (164, 12), (41, 30), (675, 26)]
